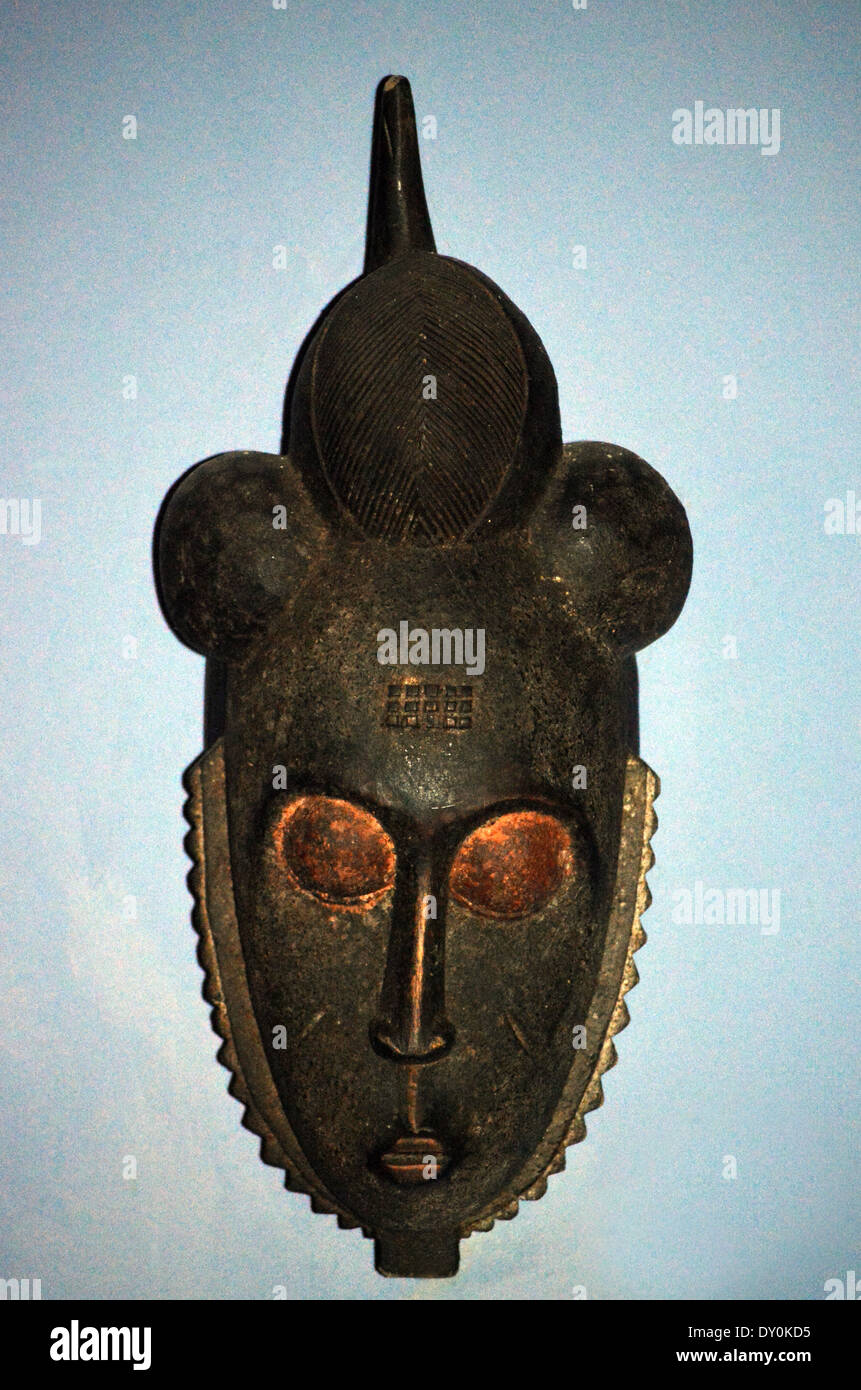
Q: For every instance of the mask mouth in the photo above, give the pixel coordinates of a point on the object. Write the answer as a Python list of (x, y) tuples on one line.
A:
[(415, 1158)]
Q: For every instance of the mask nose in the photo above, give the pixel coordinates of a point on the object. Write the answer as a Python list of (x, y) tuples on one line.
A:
[(412, 1026)]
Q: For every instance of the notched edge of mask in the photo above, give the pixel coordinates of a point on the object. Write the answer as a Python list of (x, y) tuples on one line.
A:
[(226, 990), (226, 985), (608, 1013)]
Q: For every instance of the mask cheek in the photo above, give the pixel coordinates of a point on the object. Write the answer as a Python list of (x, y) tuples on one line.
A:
[(316, 970), (537, 974), (314, 955)]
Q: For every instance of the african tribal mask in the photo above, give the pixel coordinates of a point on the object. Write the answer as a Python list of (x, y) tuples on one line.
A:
[(420, 828)]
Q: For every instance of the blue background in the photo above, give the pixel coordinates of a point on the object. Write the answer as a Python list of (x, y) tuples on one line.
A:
[(153, 258)]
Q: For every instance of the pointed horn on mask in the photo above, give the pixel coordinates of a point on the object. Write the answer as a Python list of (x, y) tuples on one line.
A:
[(398, 219)]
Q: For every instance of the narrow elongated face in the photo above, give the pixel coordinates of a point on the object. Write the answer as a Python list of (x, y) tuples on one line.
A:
[(422, 875), (420, 843)]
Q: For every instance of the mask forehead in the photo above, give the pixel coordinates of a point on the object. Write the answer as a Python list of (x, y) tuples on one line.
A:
[(430, 742)]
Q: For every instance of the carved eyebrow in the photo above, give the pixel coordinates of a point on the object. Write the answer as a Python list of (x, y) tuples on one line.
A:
[(330, 791), (511, 805), (398, 821)]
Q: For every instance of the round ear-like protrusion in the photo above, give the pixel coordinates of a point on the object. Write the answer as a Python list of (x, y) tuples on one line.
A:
[(617, 537), (235, 535)]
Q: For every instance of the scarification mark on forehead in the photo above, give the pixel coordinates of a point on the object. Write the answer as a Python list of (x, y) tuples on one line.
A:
[(428, 705)]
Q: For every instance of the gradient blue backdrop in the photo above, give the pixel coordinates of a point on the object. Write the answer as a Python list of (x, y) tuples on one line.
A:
[(153, 258)]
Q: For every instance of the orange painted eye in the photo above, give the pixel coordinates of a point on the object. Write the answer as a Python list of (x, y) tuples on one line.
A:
[(512, 864), (336, 851)]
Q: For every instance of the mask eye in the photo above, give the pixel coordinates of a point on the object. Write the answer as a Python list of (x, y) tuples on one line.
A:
[(511, 865), (336, 851)]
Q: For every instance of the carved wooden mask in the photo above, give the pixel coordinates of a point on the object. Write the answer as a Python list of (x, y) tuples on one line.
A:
[(420, 830)]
